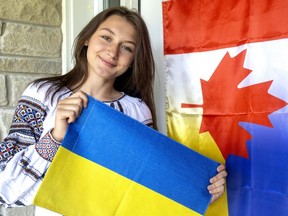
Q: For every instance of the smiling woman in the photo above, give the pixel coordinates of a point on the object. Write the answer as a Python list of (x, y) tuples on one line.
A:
[(110, 52), (113, 64)]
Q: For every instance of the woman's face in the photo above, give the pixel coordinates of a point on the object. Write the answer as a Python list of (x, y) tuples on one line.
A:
[(111, 49)]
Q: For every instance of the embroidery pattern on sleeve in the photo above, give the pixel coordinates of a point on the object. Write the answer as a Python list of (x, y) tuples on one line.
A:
[(26, 127), (29, 170), (47, 147)]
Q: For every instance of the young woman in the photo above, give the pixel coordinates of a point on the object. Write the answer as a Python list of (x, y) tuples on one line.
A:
[(114, 64)]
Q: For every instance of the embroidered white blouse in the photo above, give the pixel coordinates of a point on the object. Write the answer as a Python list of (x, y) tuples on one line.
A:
[(28, 150)]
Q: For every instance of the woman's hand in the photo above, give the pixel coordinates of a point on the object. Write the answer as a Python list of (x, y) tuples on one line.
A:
[(68, 110), (217, 186)]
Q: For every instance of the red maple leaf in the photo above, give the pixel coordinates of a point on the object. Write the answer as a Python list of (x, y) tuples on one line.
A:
[(225, 105)]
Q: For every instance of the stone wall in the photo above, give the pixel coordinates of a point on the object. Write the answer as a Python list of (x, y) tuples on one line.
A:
[(30, 48)]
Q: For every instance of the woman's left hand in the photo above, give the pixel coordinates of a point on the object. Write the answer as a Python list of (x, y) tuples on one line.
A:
[(217, 186)]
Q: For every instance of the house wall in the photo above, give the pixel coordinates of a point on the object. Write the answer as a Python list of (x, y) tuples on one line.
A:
[(30, 48)]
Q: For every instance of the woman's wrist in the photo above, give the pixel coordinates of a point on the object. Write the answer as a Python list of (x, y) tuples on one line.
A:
[(47, 147), (56, 138)]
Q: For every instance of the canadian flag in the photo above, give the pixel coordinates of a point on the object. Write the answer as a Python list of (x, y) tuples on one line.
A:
[(226, 65)]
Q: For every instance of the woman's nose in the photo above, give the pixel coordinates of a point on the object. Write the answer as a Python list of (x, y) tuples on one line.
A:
[(113, 51)]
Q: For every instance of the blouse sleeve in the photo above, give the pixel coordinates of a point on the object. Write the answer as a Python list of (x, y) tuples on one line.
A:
[(138, 110), (24, 157)]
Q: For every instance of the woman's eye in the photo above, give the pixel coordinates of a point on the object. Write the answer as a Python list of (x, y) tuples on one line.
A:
[(106, 38), (127, 49)]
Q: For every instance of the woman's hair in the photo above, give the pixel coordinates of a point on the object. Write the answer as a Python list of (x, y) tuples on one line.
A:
[(137, 81)]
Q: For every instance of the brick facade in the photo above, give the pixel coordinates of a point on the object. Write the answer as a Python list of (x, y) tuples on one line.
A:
[(30, 48)]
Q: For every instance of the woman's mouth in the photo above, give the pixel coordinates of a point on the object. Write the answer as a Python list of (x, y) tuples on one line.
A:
[(107, 63)]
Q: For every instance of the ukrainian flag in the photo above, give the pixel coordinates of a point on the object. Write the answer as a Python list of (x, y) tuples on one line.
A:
[(110, 164)]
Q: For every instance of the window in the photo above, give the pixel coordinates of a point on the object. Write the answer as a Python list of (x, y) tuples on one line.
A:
[(111, 3), (132, 4)]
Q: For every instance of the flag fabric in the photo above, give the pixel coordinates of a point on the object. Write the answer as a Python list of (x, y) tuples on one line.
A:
[(226, 64), (110, 164)]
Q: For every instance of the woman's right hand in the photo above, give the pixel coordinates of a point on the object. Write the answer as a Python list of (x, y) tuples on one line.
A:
[(68, 110)]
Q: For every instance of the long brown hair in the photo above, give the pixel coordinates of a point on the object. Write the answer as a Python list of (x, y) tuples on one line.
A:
[(137, 81)]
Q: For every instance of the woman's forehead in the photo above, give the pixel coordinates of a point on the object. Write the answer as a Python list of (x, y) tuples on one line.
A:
[(118, 25)]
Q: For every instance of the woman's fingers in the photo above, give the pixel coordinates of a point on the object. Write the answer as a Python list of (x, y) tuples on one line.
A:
[(221, 167), (80, 98), (221, 174), (68, 110), (217, 186)]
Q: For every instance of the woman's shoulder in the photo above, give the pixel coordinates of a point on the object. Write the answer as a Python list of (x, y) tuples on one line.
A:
[(136, 108), (33, 95), (37, 92)]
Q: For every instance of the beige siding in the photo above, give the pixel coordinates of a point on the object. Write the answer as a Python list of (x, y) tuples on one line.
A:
[(30, 48)]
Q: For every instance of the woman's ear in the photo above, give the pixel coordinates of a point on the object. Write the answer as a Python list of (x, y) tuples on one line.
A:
[(86, 43)]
